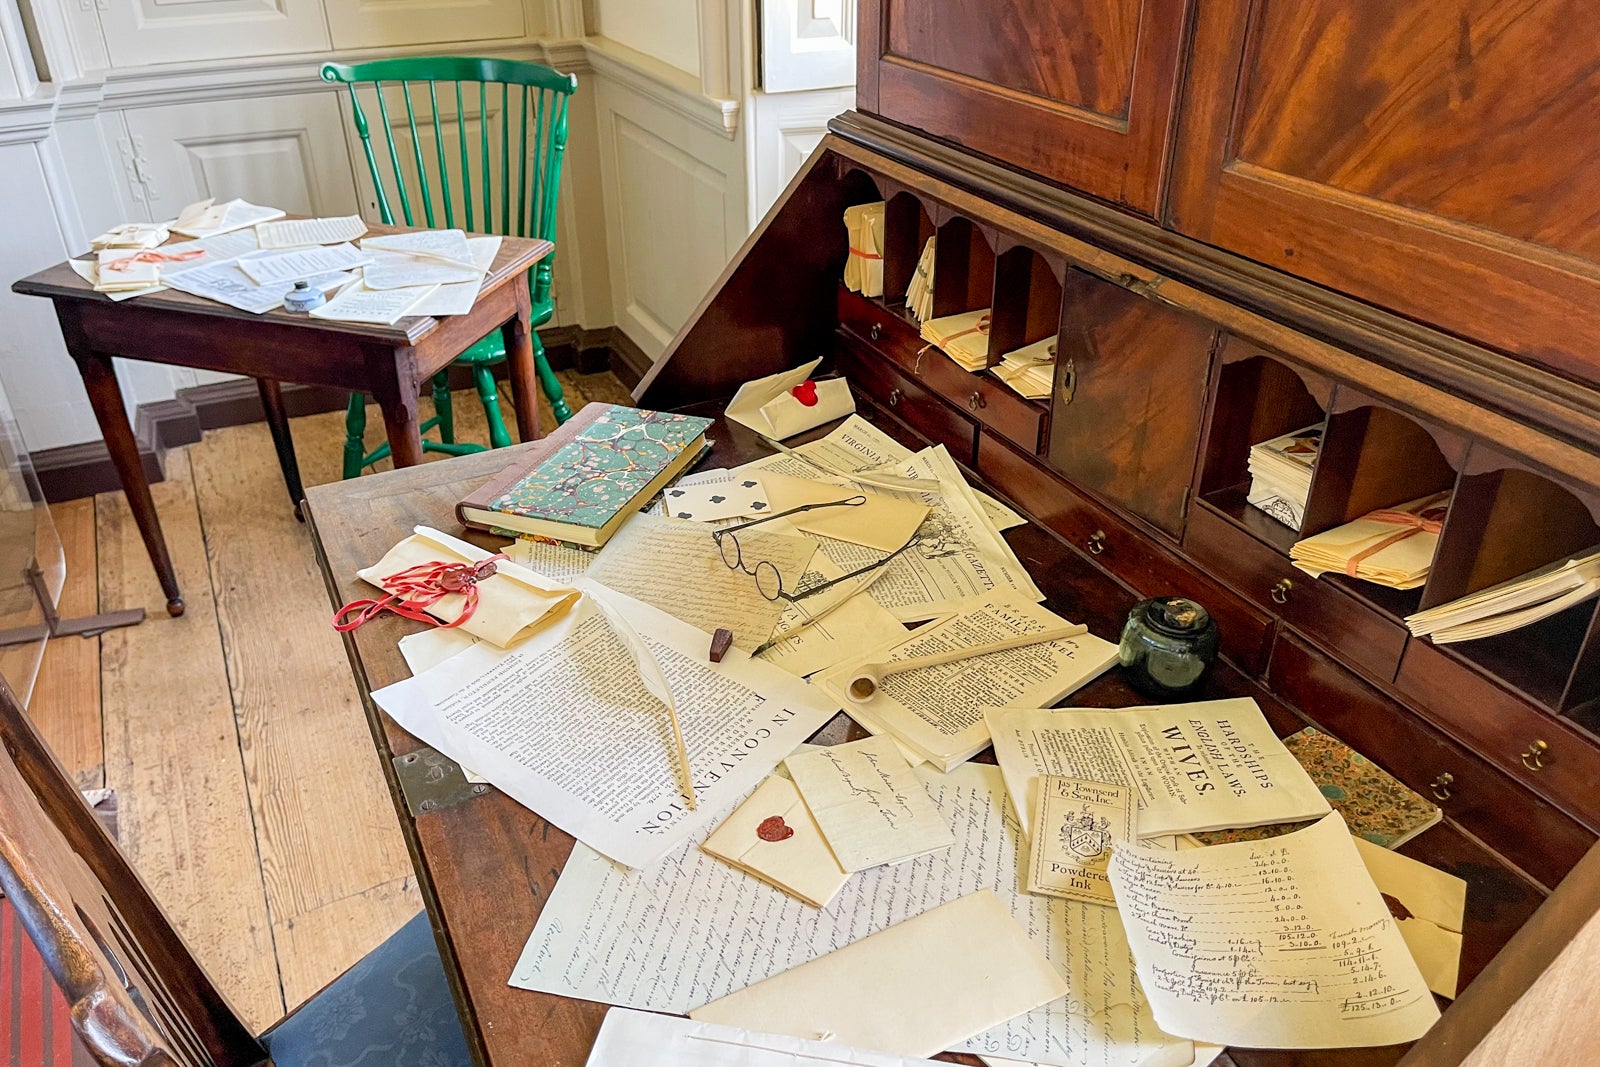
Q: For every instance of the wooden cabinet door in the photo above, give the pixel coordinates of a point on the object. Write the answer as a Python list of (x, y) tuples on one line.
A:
[(1077, 91), (1436, 157)]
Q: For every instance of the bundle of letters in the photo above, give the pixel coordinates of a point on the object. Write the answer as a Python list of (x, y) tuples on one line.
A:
[(1031, 369), (919, 293), (1280, 474), (863, 267), (1390, 546), (1512, 604), (964, 337)]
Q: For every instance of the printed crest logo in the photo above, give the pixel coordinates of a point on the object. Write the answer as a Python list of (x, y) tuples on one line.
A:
[(1086, 837)]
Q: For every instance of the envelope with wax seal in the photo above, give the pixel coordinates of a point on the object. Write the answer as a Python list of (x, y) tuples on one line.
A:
[(773, 837), (782, 405), (1428, 905), (512, 603)]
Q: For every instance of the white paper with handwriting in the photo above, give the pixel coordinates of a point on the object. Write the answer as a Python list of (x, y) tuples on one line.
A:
[(870, 805)]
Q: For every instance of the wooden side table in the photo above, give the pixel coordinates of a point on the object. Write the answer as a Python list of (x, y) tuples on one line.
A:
[(392, 363)]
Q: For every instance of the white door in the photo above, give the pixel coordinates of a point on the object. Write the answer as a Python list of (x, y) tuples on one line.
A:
[(807, 44)]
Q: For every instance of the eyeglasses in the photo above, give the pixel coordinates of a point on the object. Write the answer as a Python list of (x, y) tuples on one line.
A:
[(769, 583)]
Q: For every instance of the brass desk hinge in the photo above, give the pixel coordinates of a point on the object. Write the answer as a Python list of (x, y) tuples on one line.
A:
[(432, 781)]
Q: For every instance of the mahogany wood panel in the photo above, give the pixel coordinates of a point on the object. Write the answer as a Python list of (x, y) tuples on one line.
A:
[(1253, 399), (1130, 389), (1431, 157), (910, 402), (1078, 92)]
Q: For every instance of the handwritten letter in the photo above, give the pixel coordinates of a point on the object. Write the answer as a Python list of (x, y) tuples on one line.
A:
[(869, 803)]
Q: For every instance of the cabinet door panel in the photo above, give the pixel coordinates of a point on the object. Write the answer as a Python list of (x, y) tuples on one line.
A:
[(1434, 157), (1090, 108), (138, 32), (371, 23)]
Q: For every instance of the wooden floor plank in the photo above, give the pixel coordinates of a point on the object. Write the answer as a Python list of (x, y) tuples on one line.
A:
[(316, 947), (66, 698), (172, 750)]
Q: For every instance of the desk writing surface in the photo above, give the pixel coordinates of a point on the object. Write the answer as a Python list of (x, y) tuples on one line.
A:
[(61, 282), (485, 866)]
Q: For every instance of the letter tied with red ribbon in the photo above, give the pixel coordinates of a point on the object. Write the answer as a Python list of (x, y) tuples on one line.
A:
[(412, 591)]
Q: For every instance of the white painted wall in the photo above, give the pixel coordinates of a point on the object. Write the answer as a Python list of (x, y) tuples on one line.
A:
[(667, 30)]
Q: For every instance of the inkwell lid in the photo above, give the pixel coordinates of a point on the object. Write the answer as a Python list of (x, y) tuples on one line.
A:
[(1177, 616)]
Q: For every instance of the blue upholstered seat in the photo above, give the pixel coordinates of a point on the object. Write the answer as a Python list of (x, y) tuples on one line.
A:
[(392, 1009)]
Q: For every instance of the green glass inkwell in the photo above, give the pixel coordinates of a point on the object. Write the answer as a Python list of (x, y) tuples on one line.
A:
[(1168, 646)]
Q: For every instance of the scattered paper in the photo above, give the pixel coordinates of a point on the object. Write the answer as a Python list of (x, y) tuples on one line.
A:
[(358, 303), (1203, 766), (558, 561), (878, 522), (640, 1038), (937, 712), (457, 298), (869, 803), (914, 989), (708, 501), (676, 566), (1430, 907), (816, 632), (1283, 943), (426, 257), (774, 837), (770, 407), (426, 649), (687, 928), (225, 283), (267, 267), (298, 233), (1075, 825), (211, 220), (565, 725)]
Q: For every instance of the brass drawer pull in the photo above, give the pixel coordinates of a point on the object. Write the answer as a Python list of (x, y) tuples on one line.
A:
[(976, 401), (894, 398), (1440, 786), (1280, 592), (1097, 542), (876, 331), (1533, 758)]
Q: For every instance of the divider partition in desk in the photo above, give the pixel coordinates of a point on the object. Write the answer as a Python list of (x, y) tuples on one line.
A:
[(1138, 460)]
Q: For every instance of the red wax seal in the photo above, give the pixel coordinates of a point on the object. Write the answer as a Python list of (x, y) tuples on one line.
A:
[(773, 828), (806, 393)]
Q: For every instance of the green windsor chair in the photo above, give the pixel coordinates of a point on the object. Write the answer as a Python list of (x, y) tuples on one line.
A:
[(526, 208)]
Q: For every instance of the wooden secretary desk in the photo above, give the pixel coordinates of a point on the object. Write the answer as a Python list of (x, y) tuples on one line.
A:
[(1239, 218)]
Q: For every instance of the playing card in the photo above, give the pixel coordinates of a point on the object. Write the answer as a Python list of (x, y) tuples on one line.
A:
[(710, 501)]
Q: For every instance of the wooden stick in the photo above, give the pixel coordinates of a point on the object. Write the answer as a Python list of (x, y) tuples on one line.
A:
[(869, 676)]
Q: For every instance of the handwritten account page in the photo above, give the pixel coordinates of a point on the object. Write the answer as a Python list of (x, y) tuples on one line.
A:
[(1283, 943)]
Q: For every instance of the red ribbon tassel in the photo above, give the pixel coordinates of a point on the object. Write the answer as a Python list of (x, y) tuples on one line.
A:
[(124, 263), (409, 593)]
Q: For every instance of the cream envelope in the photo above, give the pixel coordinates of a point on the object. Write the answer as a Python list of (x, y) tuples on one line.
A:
[(773, 837), (883, 523), (511, 603), (1432, 908), (767, 406), (869, 804), (914, 989)]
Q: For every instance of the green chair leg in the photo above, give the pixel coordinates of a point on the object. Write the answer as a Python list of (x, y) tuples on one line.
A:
[(355, 427), (498, 437), (441, 407), (549, 382)]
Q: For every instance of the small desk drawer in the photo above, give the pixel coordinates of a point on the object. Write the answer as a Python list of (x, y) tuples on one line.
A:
[(979, 395), (1318, 609), (1533, 834), (907, 400), (1135, 558), (1505, 729)]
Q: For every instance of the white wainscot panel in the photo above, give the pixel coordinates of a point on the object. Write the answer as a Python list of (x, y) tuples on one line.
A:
[(783, 130), (287, 151), (139, 32), (387, 23)]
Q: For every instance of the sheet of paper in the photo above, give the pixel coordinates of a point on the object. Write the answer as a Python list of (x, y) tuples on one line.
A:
[(225, 283), (687, 928), (88, 271), (639, 1038), (880, 522), (358, 303), (457, 298), (1430, 907), (1209, 765), (565, 726), (560, 562), (938, 711), (869, 803), (709, 501), (1075, 825), (1283, 943), (218, 249), (299, 233), (428, 257), (429, 648), (234, 215), (266, 267), (914, 989), (774, 837), (816, 632), (675, 565)]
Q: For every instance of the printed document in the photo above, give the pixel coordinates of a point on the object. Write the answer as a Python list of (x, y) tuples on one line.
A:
[(1283, 943), (564, 724), (265, 267), (694, 929), (385, 307), (1210, 765), (298, 233), (457, 298)]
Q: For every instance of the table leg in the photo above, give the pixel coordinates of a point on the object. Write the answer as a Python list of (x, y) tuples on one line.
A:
[(278, 423), (404, 427), (105, 397), (518, 336)]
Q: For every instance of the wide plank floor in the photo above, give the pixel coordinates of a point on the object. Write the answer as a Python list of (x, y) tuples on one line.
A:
[(251, 800)]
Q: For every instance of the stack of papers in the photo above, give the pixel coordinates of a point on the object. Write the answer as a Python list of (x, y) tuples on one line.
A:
[(1030, 370), (1391, 546), (1280, 474), (134, 235), (121, 270), (863, 269), (964, 337), (1512, 604), (919, 294)]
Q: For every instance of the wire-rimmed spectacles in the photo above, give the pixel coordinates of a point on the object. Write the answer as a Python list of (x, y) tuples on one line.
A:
[(769, 582)]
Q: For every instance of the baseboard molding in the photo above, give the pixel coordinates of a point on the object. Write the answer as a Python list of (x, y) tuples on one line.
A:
[(81, 470)]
